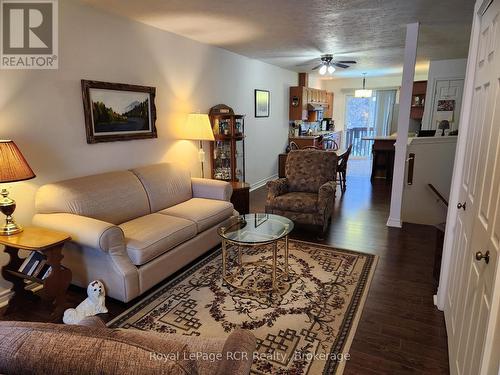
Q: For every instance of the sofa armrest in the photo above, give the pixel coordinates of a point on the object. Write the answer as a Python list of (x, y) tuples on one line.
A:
[(84, 230), (276, 188), (211, 189), (237, 354), (326, 193)]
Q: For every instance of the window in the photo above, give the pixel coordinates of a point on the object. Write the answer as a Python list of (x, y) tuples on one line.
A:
[(368, 117)]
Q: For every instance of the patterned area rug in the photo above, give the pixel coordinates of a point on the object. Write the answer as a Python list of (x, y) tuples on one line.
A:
[(306, 327)]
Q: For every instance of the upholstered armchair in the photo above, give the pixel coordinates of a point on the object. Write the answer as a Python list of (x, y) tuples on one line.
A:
[(307, 193)]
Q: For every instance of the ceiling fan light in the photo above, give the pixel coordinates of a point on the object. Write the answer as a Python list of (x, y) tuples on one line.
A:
[(322, 70), (331, 69)]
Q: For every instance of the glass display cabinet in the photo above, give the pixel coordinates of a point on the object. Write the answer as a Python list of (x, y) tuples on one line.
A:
[(228, 149)]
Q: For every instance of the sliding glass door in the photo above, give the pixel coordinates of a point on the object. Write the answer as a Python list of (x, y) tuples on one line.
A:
[(368, 117)]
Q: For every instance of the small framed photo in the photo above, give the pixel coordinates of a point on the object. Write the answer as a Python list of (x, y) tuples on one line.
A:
[(262, 103), (118, 111)]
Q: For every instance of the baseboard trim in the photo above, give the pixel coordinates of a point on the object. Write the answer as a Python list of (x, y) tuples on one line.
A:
[(262, 182), (394, 223), (6, 295)]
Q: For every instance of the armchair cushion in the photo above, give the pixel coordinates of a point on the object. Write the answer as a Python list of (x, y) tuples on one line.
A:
[(306, 170), (152, 235), (204, 212), (297, 202)]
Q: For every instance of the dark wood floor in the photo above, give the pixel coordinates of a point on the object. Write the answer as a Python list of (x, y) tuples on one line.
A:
[(400, 331)]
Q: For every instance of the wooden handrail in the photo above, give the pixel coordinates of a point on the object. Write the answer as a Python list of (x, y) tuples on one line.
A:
[(441, 198)]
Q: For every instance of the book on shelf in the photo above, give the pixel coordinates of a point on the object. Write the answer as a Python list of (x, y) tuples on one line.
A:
[(44, 272), (33, 264)]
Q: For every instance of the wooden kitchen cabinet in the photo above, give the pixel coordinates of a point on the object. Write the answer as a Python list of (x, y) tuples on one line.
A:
[(418, 100), (300, 96), (329, 105)]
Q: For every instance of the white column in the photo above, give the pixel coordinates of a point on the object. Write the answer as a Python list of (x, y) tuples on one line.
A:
[(403, 124)]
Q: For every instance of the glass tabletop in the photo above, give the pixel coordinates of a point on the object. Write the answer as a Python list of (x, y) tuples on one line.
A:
[(257, 228)]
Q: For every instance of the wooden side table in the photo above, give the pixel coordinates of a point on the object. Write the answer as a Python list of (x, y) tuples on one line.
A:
[(241, 197), (50, 244)]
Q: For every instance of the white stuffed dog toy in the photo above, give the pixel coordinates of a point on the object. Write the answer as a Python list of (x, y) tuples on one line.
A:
[(93, 305)]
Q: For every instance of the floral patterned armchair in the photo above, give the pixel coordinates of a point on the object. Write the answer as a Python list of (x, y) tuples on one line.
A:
[(307, 193)]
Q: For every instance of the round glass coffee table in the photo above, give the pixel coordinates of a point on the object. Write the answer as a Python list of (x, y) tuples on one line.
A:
[(249, 231)]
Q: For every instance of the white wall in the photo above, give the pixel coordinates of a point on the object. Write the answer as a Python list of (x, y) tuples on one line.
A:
[(42, 110), (440, 69), (339, 87), (433, 164)]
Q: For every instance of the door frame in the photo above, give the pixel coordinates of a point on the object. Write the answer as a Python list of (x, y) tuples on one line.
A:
[(465, 113)]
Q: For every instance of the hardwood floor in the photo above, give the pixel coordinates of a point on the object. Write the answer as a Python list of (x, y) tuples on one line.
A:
[(400, 331)]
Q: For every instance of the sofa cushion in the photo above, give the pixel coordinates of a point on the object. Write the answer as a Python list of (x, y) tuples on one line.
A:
[(297, 202), (152, 235), (44, 348), (165, 184), (113, 197), (204, 212)]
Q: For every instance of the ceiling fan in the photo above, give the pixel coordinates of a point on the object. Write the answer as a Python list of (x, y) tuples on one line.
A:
[(328, 64)]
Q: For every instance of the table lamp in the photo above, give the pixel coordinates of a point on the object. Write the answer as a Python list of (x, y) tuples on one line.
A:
[(13, 167), (443, 125), (198, 128)]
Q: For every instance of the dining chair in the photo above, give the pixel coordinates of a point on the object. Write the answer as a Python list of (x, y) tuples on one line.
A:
[(342, 168)]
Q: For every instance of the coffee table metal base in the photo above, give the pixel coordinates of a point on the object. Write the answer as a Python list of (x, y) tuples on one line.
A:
[(277, 272)]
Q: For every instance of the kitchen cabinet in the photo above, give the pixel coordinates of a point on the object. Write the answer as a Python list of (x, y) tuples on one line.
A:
[(329, 105), (300, 96), (418, 100)]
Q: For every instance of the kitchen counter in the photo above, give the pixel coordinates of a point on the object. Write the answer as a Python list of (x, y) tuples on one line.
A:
[(314, 136), (380, 138)]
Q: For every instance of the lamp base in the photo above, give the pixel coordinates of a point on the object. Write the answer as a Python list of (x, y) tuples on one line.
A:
[(9, 229), (7, 207)]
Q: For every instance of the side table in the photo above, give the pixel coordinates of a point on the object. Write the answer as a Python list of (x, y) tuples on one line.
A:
[(49, 243), (241, 197)]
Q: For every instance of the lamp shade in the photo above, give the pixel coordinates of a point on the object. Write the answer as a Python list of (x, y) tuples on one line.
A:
[(198, 128), (13, 165)]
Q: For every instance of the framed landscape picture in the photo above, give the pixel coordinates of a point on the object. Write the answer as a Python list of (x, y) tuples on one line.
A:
[(262, 101), (118, 112)]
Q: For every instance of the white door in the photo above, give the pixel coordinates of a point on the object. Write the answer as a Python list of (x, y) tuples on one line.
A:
[(447, 89), (471, 306)]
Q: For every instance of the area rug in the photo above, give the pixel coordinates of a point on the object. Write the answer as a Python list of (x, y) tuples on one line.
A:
[(306, 327)]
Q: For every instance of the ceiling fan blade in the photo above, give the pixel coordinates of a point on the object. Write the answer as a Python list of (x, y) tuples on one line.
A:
[(340, 65), (318, 66), (346, 62)]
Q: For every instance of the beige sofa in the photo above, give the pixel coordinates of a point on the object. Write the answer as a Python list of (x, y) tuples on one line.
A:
[(44, 348), (132, 229)]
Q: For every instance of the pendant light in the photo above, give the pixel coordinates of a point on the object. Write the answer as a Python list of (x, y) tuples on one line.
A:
[(363, 93)]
